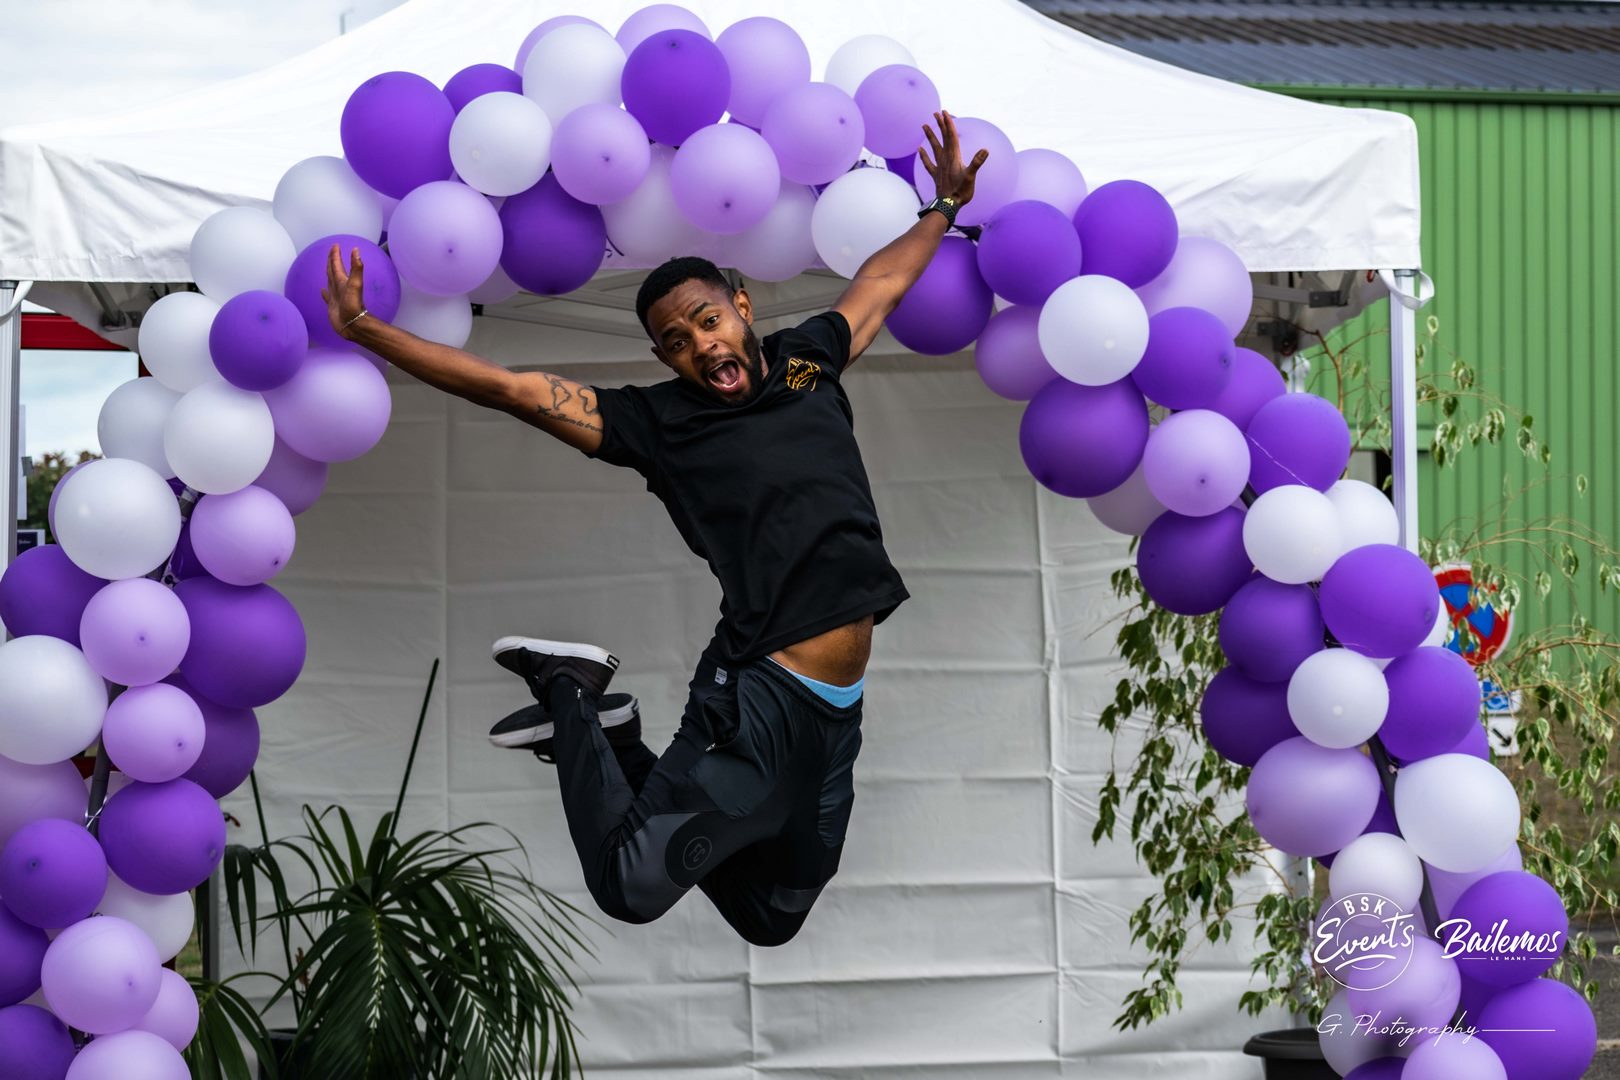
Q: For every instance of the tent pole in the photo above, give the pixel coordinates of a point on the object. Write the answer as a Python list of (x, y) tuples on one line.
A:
[(11, 296), (1403, 303)]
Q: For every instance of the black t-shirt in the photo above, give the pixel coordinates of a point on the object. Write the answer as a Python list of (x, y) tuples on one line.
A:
[(772, 494)]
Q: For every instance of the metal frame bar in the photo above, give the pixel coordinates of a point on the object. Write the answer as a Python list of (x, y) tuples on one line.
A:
[(11, 296), (1403, 306)]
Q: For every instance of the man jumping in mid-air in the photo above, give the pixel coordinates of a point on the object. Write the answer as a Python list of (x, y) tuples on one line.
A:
[(751, 448)]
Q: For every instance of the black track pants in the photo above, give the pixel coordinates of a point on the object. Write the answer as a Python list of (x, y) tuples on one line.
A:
[(749, 803)]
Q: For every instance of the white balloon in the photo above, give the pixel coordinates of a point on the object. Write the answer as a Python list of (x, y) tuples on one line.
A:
[(1346, 1044), (219, 438), (648, 226), (1378, 863), (321, 197), (167, 920), (858, 57), (780, 246), (445, 319), (1365, 515), (1129, 508), (173, 340), (51, 700), (131, 423), (116, 518), (1093, 330), (571, 66), (239, 250), (857, 214), (1337, 698), (1291, 534), (1457, 812), (500, 143), (1047, 176), (1443, 628), (31, 792)]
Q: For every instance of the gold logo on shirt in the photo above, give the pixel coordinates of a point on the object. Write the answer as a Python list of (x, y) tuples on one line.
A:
[(801, 374)]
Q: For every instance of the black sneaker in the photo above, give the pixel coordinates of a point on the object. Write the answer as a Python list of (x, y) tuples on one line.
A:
[(530, 728), (538, 661)]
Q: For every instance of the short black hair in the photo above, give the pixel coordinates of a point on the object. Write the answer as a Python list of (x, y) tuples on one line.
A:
[(676, 272)]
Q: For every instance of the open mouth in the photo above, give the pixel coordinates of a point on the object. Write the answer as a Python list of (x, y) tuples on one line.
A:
[(726, 376)]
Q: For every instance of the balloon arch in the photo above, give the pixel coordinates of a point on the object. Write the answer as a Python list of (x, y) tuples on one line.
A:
[(659, 140)]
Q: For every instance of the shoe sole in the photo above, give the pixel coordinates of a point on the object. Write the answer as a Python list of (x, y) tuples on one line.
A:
[(507, 650), (525, 737)]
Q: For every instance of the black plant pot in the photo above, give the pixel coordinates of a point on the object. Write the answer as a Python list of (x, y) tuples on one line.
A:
[(281, 1041), (1293, 1054)]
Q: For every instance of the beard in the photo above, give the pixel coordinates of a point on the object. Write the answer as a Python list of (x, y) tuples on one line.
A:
[(752, 362)]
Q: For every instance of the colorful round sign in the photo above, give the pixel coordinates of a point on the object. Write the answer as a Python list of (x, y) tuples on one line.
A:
[(1490, 628)]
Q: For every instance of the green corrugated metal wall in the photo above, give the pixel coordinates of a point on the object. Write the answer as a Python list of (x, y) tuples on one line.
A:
[(1521, 230)]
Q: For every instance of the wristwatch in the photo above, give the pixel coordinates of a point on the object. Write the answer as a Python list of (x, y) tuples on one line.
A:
[(945, 205)]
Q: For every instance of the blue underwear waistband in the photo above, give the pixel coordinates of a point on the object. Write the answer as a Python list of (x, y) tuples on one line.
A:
[(841, 697)]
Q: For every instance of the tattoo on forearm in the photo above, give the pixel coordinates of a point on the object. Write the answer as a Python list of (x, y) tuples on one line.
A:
[(563, 393)]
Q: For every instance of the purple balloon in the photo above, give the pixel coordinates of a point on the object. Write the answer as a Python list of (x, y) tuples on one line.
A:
[(306, 279), (335, 409), (1297, 439), (1196, 462), (1305, 799), (1384, 1068), (1533, 930), (1243, 718), (1475, 742), (1447, 888), (675, 82), (247, 644), (1423, 995), (34, 1045), (817, 133), (553, 242), (766, 58), (903, 167), (396, 132), (480, 79), (1448, 1057), (1081, 441), (43, 592), (293, 478), (163, 838), (183, 562), (1193, 565), (1269, 628), (52, 873), (445, 238), (174, 1015), (134, 632), (599, 154), (1008, 354), (1188, 362), (1433, 702), (22, 950), (541, 31), (1541, 1030), (1475, 995), (1255, 380), (725, 179), (258, 339), (996, 181), (895, 102), (949, 305), (154, 733), (243, 538), (230, 747), (1380, 600), (1203, 274), (1028, 249), (1127, 232)]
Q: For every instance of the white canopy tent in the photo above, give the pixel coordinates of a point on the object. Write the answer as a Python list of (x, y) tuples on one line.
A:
[(974, 930)]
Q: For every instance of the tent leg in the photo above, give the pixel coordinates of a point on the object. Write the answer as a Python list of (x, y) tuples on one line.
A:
[(1403, 400), (10, 410)]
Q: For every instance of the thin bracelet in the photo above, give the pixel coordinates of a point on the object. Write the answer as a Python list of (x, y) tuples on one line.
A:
[(357, 318)]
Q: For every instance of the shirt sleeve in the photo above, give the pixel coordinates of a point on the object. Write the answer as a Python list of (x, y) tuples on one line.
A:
[(826, 335), (629, 428)]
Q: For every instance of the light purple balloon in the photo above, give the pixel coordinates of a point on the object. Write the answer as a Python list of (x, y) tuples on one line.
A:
[(1447, 887), (445, 238), (545, 28), (293, 478), (674, 83), (1203, 274), (1193, 565), (1380, 600), (335, 409), (173, 1016), (230, 747), (134, 632), (949, 305), (307, 278), (480, 79), (1050, 177), (655, 19), (22, 950), (1541, 1030), (1196, 462), (1433, 703), (896, 102), (599, 154), (129, 1055), (816, 131), (1533, 939), (1127, 231), (396, 132), (34, 1045), (997, 178), (154, 733), (243, 538), (101, 975), (725, 178), (1424, 995), (553, 242), (1450, 1057), (1083, 440), (43, 592), (162, 838), (1243, 718), (31, 792), (257, 340), (247, 644), (1129, 508), (1269, 628), (1297, 439), (1027, 250), (1255, 380), (1008, 354), (52, 873), (766, 58), (1188, 361), (1305, 799)]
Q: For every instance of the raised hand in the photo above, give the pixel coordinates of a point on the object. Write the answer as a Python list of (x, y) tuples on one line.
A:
[(344, 292), (952, 179)]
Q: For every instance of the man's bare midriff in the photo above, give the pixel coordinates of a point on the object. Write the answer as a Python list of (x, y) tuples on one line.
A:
[(838, 656)]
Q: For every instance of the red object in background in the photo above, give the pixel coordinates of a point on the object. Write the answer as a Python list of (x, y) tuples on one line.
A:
[(41, 331)]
